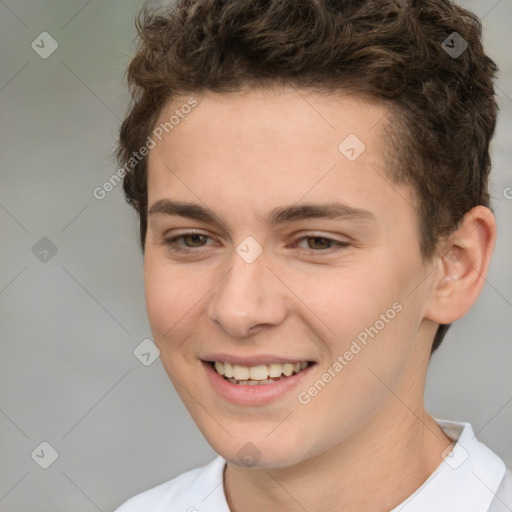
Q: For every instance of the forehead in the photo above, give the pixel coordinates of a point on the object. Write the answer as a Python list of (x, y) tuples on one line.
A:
[(282, 115), (262, 148)]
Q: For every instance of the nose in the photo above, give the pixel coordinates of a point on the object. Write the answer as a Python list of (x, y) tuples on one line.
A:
[(248, 298)]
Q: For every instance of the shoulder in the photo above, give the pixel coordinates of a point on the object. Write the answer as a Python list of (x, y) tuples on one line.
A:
[(503, 499), (201, 486)]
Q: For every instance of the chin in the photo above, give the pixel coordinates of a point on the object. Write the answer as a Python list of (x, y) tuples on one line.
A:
[(260, 452)]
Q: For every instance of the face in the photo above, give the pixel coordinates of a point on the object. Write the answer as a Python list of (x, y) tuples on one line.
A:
[(277, 244)]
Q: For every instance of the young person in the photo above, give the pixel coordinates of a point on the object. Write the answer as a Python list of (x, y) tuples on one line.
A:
[(311, 181)]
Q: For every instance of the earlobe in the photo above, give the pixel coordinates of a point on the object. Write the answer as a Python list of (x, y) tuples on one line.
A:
[(464, 259)]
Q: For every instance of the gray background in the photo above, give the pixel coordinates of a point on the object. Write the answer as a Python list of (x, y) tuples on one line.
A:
[(69, 325)]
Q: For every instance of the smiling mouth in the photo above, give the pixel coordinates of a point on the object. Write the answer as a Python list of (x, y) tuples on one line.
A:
[(259, 374)]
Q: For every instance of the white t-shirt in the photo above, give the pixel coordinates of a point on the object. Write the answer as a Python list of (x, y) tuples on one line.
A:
[(471, 478)]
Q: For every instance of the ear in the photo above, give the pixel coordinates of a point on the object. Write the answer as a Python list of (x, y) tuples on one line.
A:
[(464, 261)]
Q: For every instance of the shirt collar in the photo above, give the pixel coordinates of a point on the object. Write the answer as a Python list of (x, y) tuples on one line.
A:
[(466, 480)]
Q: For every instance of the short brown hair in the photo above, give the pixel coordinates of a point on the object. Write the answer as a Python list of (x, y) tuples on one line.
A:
[(443, 106)]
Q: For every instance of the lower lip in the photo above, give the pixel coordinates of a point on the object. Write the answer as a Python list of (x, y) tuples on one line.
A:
[(261, 394)]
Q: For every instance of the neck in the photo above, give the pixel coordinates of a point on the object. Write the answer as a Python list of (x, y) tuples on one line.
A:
[(375, 469)]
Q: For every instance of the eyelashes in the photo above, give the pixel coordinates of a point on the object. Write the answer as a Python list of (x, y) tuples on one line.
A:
[(172, 242), (196, 237)]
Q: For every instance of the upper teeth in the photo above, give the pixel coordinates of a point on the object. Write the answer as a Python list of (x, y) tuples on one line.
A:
[(259, 372)]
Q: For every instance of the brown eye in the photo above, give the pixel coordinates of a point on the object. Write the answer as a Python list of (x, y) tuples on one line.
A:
[(320, 245), (319, 242), (187, 242), (195, 239)]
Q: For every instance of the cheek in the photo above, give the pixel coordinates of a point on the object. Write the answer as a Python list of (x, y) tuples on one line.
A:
[(347, 300), (364, 315), (161, 299), (172, 296)]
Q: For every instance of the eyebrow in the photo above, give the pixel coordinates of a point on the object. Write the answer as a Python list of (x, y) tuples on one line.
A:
[(277, 216)]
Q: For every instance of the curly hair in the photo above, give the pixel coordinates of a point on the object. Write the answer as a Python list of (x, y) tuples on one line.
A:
[(442, 104)]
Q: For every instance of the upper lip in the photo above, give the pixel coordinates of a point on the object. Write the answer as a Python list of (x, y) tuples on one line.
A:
[(252, 360)]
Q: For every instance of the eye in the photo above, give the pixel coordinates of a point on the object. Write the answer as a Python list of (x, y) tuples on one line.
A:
[(187, 242), (318, 243), (192, 240)]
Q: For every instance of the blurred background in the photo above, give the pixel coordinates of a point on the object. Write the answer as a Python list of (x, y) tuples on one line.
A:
[(87, 420)]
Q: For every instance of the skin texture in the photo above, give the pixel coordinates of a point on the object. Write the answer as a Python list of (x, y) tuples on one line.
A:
[(365, 440)]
